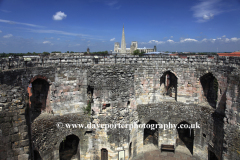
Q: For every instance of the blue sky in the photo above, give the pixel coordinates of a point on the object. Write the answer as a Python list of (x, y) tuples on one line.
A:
[(75, 25)]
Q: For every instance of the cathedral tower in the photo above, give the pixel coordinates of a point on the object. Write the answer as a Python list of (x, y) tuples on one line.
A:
[(123, 43)]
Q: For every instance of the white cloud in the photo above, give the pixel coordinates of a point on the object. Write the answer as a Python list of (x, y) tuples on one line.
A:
[(59, 16), (210, 16), (223, 39), (157, 42), (113, 39), (224, 36), (46, 42), (56, 32), (212, 40), (188, 40), (112, 3), (171, 37), (235, 39), (227, 40), (8, 36), (49, 38), (0, 31), (58, 39), (171, 41), (204, 40), (6, 11), (206, 10), (13, 22)]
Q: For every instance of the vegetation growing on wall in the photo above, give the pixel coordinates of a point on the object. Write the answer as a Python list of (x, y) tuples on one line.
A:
[(88, 108)]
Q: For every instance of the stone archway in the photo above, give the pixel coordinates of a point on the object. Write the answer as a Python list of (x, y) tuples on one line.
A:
[(38, 96), (210, 89), (69, 148), (168, 85), (151, 133), (185, 136), (104, 154), (36, 155)]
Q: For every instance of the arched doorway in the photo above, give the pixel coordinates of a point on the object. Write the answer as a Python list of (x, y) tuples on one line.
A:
[(185, 136), (151, 133), (36, 155), (168, 85), (104, 154), (210, 88), (39, 91), (69, 148)]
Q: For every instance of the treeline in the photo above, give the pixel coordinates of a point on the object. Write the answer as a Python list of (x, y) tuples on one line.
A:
[(97, 53), (23, 54)]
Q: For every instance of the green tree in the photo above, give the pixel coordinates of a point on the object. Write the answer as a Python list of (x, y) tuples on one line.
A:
[(67, 51), (137, 52), (46, 53)]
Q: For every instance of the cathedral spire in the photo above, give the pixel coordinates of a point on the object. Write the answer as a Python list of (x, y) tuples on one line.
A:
[(123, 43)]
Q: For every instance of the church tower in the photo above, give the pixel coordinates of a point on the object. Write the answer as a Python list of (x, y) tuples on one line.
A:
[(123, 43)]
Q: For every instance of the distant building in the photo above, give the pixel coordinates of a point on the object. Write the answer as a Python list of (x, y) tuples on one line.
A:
[(133, 47), (233, 54)]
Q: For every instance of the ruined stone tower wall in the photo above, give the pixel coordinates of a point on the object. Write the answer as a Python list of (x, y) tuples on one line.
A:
[(121, 93)]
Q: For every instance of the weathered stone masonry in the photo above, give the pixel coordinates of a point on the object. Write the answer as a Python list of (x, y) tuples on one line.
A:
[(34, 100)]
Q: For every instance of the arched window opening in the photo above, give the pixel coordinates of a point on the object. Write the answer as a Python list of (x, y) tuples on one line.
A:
[(36, 155), (151, 133), (39, 96), (168, 85), (210, 88), (128, 104), (185, 136), (69, 148), (104, 154), (130, 150), (90, 94)]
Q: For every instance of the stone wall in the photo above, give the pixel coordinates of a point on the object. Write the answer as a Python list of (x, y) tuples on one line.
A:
[(78, 60), (14, 117), (125, 94)]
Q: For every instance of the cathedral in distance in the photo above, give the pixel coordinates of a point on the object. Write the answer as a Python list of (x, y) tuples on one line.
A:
[(133, 47)]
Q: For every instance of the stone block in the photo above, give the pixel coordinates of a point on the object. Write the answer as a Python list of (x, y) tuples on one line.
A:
[(2, 119), (24, 143), (24, 135), (15, 137), (26, 149), (18, 151), (23, 157), (3, 99), (15, 129)]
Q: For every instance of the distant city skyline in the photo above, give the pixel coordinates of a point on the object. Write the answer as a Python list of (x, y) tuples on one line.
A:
[(183, 26)]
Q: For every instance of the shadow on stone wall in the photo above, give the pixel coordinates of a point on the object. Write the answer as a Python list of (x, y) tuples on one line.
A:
[(210, 88), (38, 99), (151, 134), (185, 136), (69, 148), (217, 135)]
